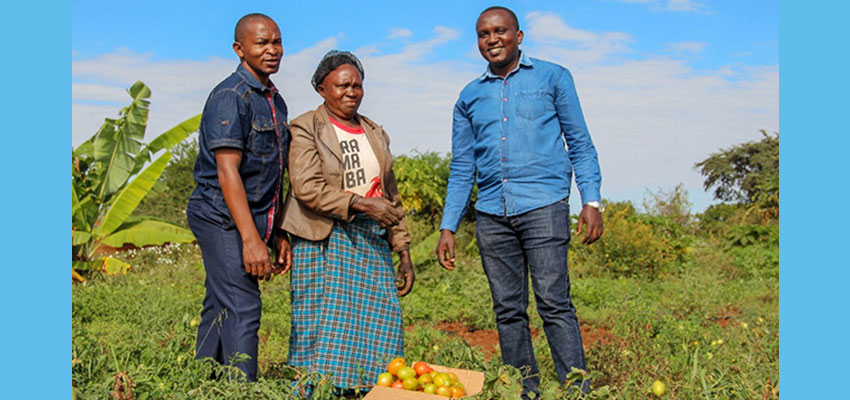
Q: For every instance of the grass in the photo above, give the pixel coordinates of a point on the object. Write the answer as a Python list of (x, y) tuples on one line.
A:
[(706, 326)]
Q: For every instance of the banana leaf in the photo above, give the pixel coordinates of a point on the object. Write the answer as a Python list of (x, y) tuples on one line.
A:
[(167, 140), (79, 237), (148, 232), (113, 266), (116, 148), (128, 199)]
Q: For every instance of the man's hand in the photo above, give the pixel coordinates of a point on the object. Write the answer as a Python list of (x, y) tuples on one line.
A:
[(256, 258), (446, 245), (284, 255), (591, 217), (379, 209), (405, 276)]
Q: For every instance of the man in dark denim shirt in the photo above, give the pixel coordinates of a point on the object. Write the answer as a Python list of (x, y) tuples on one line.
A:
[(518, 132), (243, 147)]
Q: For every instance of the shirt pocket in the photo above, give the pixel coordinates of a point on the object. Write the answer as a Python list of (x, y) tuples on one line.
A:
[(532, 104), (263, 139)]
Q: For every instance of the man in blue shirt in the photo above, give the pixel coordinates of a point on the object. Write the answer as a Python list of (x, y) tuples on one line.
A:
[(243, 146), (518, 132)]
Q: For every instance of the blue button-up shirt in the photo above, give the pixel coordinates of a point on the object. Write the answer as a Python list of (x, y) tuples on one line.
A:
[(241, 113), (521, 137)]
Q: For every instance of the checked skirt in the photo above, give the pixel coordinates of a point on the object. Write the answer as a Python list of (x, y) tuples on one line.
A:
[(346, 318)]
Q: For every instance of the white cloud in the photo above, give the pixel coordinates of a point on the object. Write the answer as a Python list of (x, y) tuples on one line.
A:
[(687, 47), (651, 118), (400, 33), (671, 5)]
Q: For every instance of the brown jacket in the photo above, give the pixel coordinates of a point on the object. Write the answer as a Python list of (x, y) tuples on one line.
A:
[(315, 196)]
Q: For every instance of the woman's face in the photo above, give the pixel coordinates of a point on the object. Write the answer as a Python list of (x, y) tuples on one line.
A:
[(342, 90)]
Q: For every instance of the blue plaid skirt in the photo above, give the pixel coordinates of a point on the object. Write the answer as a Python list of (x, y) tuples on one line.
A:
[(346, 318)]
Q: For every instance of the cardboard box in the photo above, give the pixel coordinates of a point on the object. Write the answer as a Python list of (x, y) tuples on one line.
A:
[(473, 381)]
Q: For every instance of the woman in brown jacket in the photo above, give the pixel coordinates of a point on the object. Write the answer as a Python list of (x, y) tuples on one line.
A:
[(345, 217)]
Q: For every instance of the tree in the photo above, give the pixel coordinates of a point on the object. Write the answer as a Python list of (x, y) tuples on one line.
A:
[(103, 195), (747, 173)]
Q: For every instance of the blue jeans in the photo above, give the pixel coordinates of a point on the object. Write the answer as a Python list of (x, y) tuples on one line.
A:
[(232, 305), (510, 248)]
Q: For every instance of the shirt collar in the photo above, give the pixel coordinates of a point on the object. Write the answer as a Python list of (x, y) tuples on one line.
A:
[(252, 81), (523, 61)]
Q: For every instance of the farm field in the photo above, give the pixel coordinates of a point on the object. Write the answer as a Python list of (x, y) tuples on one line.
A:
[(706, 326)]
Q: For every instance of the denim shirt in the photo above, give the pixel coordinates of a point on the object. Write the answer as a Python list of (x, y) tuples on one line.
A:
[(520, 137), (238, 115)]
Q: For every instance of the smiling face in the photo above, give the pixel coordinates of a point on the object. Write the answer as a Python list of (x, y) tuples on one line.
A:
[(342, 90), (260, 48), (498, 40)]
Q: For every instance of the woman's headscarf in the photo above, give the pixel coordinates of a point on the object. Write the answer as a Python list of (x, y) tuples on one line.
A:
[(331, 61)]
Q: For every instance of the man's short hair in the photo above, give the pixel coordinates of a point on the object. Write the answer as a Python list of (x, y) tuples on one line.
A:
[(333, 60), (242, 24), (508, 10)]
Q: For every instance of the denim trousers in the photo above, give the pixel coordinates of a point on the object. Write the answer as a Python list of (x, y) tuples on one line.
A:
[(510, 248), (230, 319)]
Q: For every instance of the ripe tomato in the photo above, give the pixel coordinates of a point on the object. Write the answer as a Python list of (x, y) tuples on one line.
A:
[(385, 379), (406, 372), (457, 392), (444, 391), (421, 368), (453, 377), (394, 365), (398, 384)]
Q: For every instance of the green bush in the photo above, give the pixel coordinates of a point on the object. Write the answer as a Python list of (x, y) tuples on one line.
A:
[(630, 245)]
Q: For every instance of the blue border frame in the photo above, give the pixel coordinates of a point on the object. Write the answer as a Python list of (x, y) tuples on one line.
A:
[(813, 282)]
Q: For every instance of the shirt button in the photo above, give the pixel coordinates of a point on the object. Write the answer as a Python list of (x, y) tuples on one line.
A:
[(504, 138), (506, 179), (504, 159), (506, 99), (505, 119)]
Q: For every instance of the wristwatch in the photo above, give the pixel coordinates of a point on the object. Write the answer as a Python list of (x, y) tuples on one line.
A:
[(597, 205)]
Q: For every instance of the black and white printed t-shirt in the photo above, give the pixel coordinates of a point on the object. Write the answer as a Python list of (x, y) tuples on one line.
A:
[(361, 171)]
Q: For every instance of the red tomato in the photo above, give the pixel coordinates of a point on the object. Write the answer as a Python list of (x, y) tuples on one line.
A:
[(398, 384), (457, 392), (421, 368)]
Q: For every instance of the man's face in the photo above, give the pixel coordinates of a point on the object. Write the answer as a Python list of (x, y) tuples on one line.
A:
[(498, 39), (260, 48), (342, 90)]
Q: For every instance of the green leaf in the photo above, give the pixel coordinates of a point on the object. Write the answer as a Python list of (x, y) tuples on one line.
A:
[(146, 233), (113, 266), (79, 237), (168, 139), (86, 265), (117, 148), (128, 199)]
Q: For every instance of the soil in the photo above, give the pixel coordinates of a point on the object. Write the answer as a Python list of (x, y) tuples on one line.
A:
[(727, 314), (488, 339)]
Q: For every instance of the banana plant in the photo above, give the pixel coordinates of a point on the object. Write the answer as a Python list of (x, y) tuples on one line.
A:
[(111, 173)]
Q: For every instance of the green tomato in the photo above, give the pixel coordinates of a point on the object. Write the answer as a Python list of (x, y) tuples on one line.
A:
[(410, 383), (658, 388), (385, 379), (406, 372), (430, 388)]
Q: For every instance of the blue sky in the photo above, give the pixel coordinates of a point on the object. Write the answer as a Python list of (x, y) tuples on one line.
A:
[(662, 83)]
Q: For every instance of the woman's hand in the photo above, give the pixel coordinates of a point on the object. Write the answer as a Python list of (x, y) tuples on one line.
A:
[(379, 209), (405, 276), (284, 254)]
